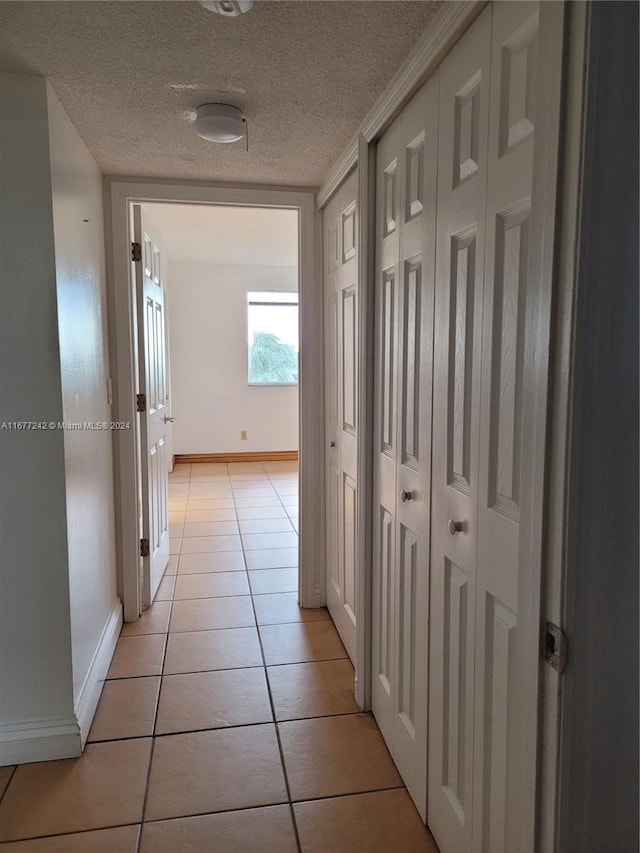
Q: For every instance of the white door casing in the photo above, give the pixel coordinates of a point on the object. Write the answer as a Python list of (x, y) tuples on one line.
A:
[(122, 194), (152, 383), (405, 266), (340, 229)]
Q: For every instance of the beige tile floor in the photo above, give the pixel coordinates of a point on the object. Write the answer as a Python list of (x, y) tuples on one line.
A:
[(228, 722)]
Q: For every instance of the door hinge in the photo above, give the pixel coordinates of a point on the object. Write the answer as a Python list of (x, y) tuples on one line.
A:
[(144, 547), (141, 402), (136, 251), (555, 647)]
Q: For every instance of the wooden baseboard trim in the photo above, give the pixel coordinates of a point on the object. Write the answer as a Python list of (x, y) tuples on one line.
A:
[(255, 456)]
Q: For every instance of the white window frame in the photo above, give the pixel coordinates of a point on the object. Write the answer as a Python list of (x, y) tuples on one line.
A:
[(250, 302)]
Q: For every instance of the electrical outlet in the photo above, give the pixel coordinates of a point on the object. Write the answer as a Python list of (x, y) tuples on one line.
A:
[(243, 435)]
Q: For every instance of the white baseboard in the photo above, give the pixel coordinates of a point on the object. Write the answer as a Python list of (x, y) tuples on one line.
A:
[(89, 695), (64, 737), (39, 740)]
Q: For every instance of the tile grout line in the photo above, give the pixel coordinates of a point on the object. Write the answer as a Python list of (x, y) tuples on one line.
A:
[(235, 725), (73, 833), (277, 732), (157, 707), (264, 667), (233, 627), (9, 781), (269, 806), (230, 668), (277, 727)]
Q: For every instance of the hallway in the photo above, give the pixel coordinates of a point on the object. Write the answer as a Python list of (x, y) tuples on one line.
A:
[(228, 721)]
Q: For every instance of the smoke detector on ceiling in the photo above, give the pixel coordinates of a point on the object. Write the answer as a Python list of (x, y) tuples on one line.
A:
[(228, 8), (220, 123)]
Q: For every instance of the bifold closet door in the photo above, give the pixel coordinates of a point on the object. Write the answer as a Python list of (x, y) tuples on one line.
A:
[(341, 373), (483, 680), (507, 626), (405, 258), (462, 176)]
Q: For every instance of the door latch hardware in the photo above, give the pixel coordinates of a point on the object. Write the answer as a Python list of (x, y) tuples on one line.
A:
[(141, 402), (454, 526), (555, 647), (136, 252), (406, 496), (144, 547)]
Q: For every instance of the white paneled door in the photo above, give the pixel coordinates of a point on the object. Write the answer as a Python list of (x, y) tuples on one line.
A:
[(507, 625), (341, 372), (153, 399), (455, 609), (484, 629), (405, 257), (462, 176)]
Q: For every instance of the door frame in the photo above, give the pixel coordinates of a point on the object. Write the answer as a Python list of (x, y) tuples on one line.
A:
[(597, 786), (120, 195)]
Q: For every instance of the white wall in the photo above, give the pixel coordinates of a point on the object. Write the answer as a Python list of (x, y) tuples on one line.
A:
[(211, 399), (35, 633), (59, 612), (81, 289)]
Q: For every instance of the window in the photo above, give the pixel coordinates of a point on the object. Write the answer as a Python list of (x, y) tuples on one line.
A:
[(273, 338)]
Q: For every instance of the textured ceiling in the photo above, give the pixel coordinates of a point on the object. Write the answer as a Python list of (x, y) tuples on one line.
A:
[(203, 233), (129, 73)]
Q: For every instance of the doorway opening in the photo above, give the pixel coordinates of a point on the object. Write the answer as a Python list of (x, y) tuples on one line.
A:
[(229, 280), (299, 206)]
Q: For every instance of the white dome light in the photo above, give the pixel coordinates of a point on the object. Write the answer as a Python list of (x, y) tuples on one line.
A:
[(229, 8), (219, 123)]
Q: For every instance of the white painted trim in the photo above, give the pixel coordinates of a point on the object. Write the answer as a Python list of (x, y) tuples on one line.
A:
[(339, 172), (562, 337), (447, 27), (364, 430), (91, 689), (39, 740), (312, 572), (541, 286), (597, 797), (445, 30), (121, 193), (124, 371)]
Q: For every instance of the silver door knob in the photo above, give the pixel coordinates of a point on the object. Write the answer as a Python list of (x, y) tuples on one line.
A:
[(405, 496), (332, 444), (454, 526), (168, 419)]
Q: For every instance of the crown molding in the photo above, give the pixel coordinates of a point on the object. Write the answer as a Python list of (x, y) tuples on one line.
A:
[(447, 27)]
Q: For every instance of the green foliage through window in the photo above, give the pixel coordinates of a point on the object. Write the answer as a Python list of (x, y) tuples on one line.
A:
[(272, 340), (271, 360)]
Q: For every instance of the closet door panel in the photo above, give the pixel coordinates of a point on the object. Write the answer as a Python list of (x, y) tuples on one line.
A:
[(505, 786), (418, 191), (344, 614), (463, 130), (385, 431), (405, 269)]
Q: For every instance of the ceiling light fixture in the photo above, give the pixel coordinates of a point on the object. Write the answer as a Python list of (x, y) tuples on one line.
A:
[(228, 8), (220, 123)]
